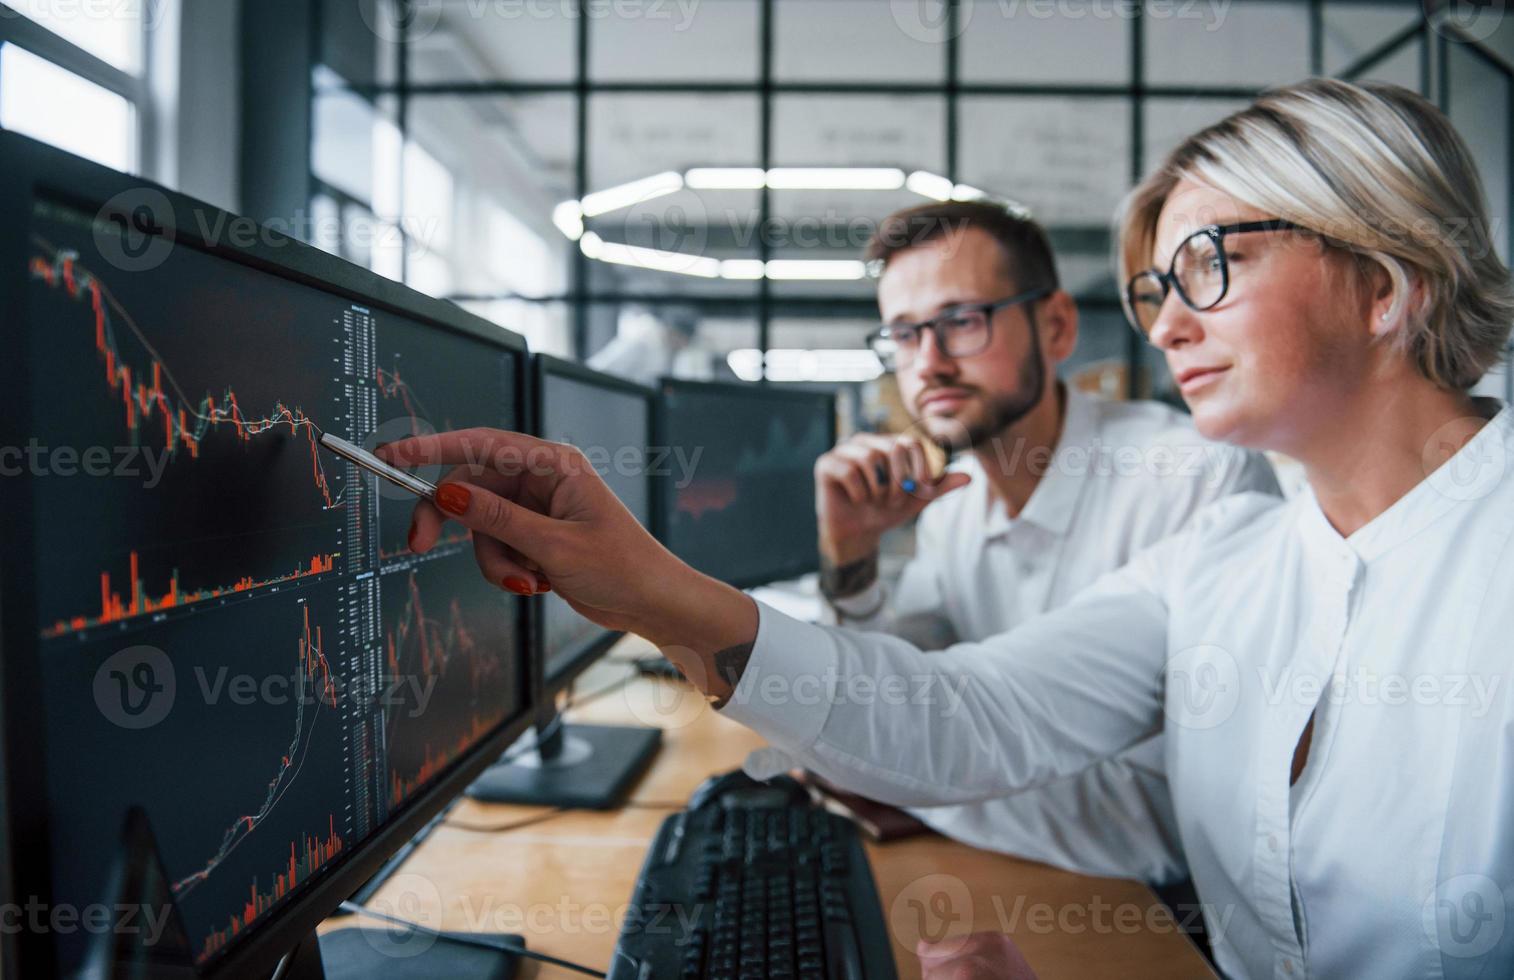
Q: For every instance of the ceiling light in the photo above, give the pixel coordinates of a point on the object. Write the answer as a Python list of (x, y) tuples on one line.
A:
[(836, 178), (625, 195), (815, 269), (725, 178), (569, 219), (930, 185), (741, 269)]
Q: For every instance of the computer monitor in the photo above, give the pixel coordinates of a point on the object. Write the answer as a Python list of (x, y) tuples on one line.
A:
[(570, 764), (738, 500), (229, 689)]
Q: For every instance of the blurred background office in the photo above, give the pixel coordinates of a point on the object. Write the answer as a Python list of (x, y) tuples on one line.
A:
[(685, 186)]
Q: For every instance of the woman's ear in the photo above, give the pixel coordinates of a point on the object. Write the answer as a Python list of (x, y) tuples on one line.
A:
[(1392, 292)]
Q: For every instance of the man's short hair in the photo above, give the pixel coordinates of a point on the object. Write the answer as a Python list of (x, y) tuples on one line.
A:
[(1027, 254)]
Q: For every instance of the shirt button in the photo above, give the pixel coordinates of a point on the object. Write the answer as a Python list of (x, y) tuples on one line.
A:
[(1288, 966), (1272, 843)]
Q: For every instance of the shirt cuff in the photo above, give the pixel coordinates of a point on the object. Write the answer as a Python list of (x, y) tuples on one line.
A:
[(785, 693), (862, 606)]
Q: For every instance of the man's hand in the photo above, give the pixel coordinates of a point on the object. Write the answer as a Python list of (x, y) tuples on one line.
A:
[(981, 956), (860, 492)]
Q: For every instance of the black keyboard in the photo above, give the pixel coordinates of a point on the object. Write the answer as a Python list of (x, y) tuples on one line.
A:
[(756, 886)]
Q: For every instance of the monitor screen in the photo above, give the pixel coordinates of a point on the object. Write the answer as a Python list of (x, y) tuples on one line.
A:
[(738, 502), (611, 422), (233, 633)]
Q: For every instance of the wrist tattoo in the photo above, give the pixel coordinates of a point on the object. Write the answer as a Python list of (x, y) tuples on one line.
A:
[(730, 664), (840, 581)]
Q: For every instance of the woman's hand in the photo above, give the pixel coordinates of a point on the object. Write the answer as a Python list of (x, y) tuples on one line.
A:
[(542, 518), (981, 956)]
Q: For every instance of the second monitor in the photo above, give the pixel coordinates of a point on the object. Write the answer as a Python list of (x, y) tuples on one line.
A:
[(610, 420), (740, 504)]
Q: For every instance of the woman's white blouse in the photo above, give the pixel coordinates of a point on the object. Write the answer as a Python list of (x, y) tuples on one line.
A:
[(1392, 856)]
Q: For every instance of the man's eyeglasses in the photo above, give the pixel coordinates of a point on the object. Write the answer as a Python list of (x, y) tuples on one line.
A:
[(1199, 272), (961, 331)]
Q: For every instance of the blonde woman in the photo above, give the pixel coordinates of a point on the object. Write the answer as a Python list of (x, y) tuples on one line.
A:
[(1331, 671)]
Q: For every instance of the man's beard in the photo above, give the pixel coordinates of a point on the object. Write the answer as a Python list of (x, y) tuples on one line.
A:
[(1000, 413)]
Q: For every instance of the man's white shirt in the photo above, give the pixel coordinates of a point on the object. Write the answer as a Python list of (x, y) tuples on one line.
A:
[(1123, 476), (1393, 854)]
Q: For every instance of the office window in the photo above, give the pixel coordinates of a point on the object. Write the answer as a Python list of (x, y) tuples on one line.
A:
[(534, 42), (873, 94), (676, 42), (1403, 67), (902, 134), (1066, 159), (1480, 109), (1354, 30), (50, 103), (1167, 122), (546, 326), (1088, 42), (111, 32), (689, 232), (857, 40), (1207, 44)]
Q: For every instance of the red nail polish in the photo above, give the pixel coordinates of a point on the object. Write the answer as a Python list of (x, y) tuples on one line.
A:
[(518, 585), (452, 498), (542, 585)]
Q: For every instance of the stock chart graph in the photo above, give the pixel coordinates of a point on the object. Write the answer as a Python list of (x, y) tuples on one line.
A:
[(745, 504), (235, 636)]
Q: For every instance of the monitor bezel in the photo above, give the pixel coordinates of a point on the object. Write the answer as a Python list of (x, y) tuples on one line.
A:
[(36, 171), (595, 647), (662, 497)]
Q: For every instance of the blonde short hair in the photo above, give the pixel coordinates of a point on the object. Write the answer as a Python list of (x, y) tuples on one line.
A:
[(1374, 169)]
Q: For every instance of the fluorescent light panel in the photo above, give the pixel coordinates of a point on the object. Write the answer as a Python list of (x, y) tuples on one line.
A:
[(625, 195), (836, 178)]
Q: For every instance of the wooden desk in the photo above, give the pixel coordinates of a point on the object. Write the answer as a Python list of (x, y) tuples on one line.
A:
[(564, 882)]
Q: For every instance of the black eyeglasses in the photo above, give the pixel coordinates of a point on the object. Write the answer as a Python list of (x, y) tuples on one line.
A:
[(1199, 271), (961, 331)]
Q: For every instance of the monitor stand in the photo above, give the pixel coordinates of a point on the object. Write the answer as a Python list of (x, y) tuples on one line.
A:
[(367, 953), (589, 767)]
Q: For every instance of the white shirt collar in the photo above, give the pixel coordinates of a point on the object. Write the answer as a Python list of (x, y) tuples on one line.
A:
[(1054, 501), (1471, 473)]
